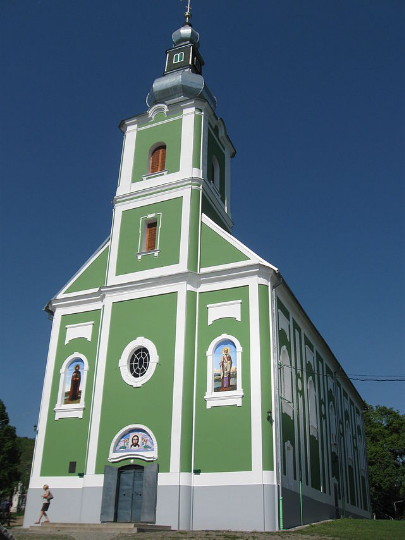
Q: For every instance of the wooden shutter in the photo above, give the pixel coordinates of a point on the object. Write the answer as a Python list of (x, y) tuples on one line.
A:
[(150, 240), (158, 159)]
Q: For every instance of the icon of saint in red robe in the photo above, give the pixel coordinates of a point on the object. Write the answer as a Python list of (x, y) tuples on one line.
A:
[(75, 384)]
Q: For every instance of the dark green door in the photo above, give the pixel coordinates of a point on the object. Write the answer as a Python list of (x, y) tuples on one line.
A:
[(129, 500)]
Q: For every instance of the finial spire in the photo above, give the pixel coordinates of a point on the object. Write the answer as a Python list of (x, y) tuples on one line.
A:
[(187, 14)]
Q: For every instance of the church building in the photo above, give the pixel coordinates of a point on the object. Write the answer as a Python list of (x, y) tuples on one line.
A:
[(185, 385)]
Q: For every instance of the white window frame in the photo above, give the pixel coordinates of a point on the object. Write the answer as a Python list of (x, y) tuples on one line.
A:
[(233, 397), (123, 363), (75, 410), (146, 456), (149, 218), (180, 57)]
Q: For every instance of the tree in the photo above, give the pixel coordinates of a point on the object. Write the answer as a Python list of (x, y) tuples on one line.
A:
[(9, 453), (26, 446), (385, 436)]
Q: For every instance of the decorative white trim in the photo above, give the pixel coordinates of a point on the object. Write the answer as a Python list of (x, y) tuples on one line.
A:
[(239, 478), (75, 482), (145, 455), (233, 397), (177, 408), (127, 159), (94, 428), (156, 109), (187, 142), (45, 401), (61, 409), (224, 310), (80, 330), (284, 323), (255, 377), (148, 176), (144, 221), (125, 358)]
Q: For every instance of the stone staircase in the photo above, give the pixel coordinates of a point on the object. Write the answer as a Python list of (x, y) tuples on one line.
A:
[(95, 531)]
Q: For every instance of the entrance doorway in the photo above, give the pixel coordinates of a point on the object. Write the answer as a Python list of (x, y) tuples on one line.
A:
[(129, 496)]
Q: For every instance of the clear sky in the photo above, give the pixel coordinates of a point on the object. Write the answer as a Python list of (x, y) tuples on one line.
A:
[(312, 93)]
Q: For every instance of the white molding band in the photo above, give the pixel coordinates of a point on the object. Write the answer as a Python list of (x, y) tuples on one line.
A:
[(80, 330), (224, 310)]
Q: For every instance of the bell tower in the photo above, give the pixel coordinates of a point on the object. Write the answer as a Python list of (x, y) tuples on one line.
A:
[(175, 166)]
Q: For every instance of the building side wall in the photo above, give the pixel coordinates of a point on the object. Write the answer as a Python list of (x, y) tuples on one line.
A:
[(322, 449)]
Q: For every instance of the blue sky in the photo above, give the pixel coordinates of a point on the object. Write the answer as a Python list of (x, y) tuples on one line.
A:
[(312, 94)]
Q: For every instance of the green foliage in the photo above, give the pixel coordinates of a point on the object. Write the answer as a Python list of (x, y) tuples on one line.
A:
[(385, 435), (9, 453), (26, 447)]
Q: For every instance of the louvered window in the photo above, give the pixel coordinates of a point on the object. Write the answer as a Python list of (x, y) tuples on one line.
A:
[(150, 237), (158, 159)]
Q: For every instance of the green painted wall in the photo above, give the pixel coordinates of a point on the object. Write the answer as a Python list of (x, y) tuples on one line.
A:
[(168, 133), (151, 404), (169, 243), (288, 432), (222, 440), (266, 376), (66, 438), (93, 276), (188, 383), (301, 441), (215, 250), (194, 230)]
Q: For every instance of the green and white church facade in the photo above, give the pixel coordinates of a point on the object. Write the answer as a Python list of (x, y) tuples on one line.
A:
[(185, 385)]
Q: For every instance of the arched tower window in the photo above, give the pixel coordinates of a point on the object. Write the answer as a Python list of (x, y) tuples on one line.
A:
[(157, 160)]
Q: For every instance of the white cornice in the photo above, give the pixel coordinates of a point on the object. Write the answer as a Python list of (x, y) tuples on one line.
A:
[(237, 272), (147, 190)]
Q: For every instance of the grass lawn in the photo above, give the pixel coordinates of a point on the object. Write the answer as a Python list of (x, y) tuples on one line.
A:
[(352, 529)]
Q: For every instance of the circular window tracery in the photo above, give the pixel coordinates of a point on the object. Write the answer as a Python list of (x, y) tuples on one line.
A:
[(139, 362)]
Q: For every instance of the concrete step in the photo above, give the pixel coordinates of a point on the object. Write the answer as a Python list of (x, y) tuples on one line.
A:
[(100, 527)]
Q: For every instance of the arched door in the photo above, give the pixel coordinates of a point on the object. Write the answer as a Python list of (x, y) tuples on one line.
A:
[(130, 493)]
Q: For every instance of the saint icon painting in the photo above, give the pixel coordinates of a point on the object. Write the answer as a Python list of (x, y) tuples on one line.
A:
[(224, 366), (73, 378)]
